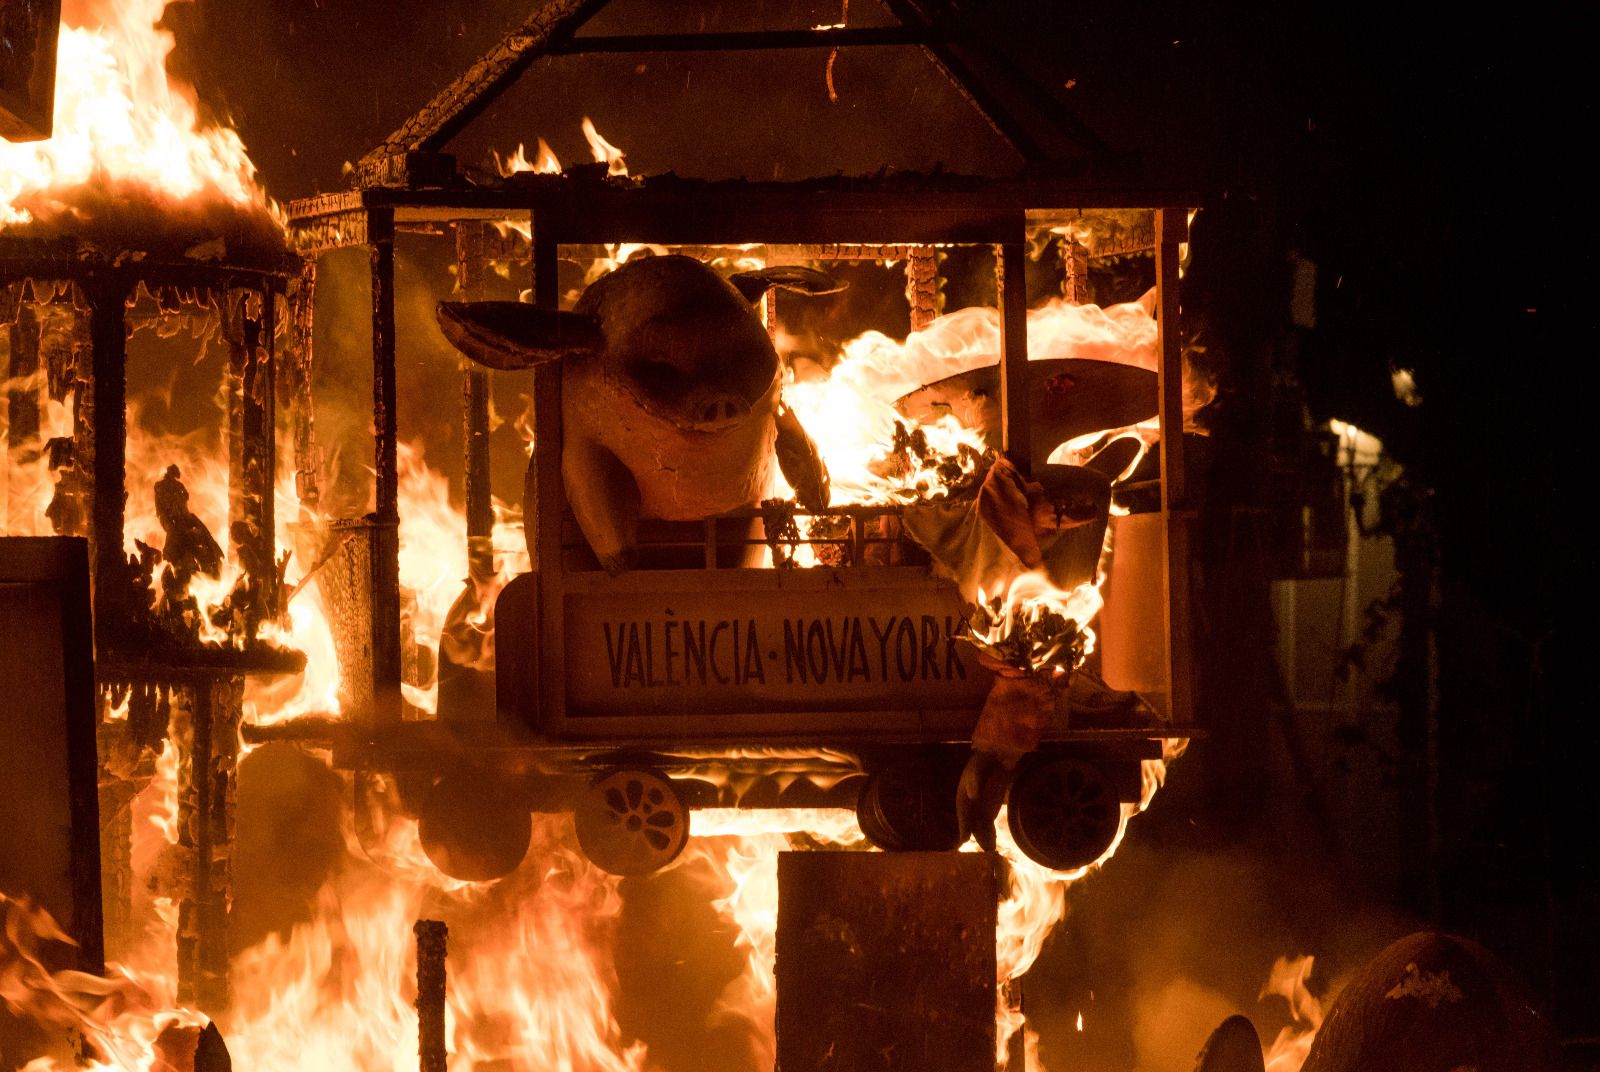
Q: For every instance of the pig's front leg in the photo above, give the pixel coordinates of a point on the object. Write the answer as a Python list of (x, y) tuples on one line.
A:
[(605, 500)]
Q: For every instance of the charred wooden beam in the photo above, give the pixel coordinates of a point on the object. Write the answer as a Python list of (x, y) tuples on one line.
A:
[(383, 563), (848, 251), (432, 941), (458, 103), (471, 269), (302, 363), (752, 41), (1172, 229), (950, 24), (108, 396), (191, 733), (922, 286), (326, 222), (961, 78), (248, 325), (205, 720), (1011, 260), (1075, 284)]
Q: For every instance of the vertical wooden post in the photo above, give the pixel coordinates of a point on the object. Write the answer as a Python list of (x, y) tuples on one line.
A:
[(217, 807), (1075, 285), (1171, 230), (1010, 261), (470, 265), (543, 498), (205, 716), (922, 285), (191, 735), (108, 393), (432, 945), (380, 237), (261, 405), (22, 429), (251, 433), (385, 560), (303, 349)]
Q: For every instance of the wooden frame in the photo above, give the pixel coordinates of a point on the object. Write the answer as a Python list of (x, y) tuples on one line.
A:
[(408, 181), (559, 591)]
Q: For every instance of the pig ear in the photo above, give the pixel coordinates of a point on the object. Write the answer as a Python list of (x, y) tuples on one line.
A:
[(510, 336), (788, 276)]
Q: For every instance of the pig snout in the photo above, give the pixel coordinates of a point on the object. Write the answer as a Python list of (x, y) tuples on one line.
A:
[(717, 409)]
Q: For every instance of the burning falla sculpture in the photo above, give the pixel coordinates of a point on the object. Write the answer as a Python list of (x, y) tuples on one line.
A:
[(669, 397)]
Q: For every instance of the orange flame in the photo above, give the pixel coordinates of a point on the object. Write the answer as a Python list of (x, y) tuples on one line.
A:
[(120, 121), (1288, 981), (604, 152)]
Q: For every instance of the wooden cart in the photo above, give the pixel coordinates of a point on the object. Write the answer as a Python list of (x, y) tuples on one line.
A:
[(657, 692)]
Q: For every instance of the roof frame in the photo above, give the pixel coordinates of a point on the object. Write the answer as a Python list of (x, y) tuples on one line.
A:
[(552, 30)]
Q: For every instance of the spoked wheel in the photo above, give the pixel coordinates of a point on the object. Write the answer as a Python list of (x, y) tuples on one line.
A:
[(909, 807), (632, 822), (1063, 811)]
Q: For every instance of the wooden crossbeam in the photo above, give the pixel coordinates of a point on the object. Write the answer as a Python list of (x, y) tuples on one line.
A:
[(831, 37)]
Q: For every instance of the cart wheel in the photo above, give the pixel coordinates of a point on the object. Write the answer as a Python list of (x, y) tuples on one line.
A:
[(473, 828), (909, 807), (632, 822), (1063, 812)]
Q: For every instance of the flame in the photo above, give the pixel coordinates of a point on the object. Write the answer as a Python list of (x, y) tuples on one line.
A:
[(449, 605), (851, 414), (1288, 981), (120, 122), (604, 152), (543, 163), (531, 983)]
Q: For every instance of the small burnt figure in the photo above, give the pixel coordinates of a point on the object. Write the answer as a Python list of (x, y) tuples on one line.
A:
[(190, 547)]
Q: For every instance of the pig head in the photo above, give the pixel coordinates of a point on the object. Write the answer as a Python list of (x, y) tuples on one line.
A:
[(670, 393)]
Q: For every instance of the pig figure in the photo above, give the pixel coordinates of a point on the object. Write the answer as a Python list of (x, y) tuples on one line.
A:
[(670, 388)]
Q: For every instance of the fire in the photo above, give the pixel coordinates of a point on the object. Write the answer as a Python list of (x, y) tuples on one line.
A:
[(1288, 981), (531, 976), (448, 605), (120, 124), (851, 413), (604, 152), (545, 161)]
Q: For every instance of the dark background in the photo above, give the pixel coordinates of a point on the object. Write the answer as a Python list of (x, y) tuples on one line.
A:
[(1427, 160)]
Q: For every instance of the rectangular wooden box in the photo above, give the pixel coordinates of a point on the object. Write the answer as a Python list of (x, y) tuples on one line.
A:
[(886, 962), (49, 807)]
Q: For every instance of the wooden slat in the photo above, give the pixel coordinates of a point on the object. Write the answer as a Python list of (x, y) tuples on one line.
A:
[(751, 41), (385, 624), (1010, 264), (543, 496), (1172, 229)]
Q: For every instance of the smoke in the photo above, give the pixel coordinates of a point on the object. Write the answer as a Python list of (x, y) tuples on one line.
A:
[(1181, 930)]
